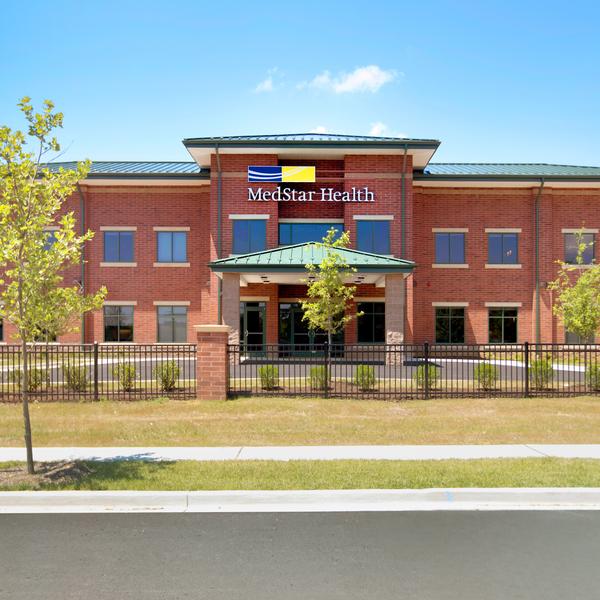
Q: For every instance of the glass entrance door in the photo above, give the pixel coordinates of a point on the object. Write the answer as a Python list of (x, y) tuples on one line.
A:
[(252, 326), (295, 333)]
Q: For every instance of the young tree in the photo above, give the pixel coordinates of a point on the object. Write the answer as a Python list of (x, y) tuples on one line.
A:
[(577, 301), (33, 294)]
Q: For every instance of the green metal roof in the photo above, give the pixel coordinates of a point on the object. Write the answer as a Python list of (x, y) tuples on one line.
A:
[(506, 170), (152, 169), (295, 258)]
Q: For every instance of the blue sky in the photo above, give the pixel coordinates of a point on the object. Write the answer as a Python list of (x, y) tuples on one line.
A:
[(494, 81)]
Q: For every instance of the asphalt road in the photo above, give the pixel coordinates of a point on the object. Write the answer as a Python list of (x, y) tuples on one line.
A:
[(425, 556)]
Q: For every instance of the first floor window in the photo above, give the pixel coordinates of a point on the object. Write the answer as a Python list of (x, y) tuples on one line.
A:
[(249, 235), (371, 324), (171, 246), (449, 248), (373, 236), (449, 325), (503, 326), (118, 246), (1, 330), (574, 338), (172, 324), (118, 323), (576, 244)]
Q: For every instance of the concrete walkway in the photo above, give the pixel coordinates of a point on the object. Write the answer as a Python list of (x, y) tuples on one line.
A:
[(285, 453)]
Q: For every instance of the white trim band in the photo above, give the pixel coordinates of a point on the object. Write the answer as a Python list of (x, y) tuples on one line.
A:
[(118, 264), (170, 228), (255, 298), (369, 299), (118, 228), (250, 217), (171, 264), (450, 304), (503, 266), (311, 220), (449, 266), (580, 230), (503, 304), (373, 217), (503, 230), (120, 303), (450, 230), (171, 303)]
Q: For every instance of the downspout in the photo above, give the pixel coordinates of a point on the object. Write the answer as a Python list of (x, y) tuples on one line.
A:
[(537, 262), (82, 259), (219, 233), (403, 206)]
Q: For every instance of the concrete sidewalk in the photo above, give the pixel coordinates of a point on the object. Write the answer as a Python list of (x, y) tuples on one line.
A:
[(285, 453)]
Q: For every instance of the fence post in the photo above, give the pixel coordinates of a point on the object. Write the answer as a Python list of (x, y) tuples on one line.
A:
[(526, 352), (212, 361), (426, 374), (95, 370), (327, 373)]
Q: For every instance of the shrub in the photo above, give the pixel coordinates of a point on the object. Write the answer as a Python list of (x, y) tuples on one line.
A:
[(76, 378), (318, 378), (126, 374), (592, 377), (541, 372), (35, 378), (364, 377), (432, 374), (269, 377), (167, 375), (486, 376)]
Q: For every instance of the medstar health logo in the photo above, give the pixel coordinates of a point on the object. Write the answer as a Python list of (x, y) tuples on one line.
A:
[(281, 174)]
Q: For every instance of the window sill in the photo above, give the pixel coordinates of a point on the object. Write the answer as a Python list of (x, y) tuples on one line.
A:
[(171, 264), (449, 266), (502, 266), (118, 264), (575, 266)]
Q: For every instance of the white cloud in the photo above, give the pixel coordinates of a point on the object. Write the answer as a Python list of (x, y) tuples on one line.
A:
[(381, 129), (363, 79), (267, 84), (319, 129)]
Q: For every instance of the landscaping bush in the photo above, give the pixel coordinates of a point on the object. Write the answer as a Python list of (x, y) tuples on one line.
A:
[(541, 372), (318, 378), (167, 375), (592, 377), (486, 376), (36, 378), (126, 375), (432, 373), (76, 377), (269, 377), (364, 377)]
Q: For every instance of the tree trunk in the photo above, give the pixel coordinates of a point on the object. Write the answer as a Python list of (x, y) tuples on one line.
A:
[(25, 400)]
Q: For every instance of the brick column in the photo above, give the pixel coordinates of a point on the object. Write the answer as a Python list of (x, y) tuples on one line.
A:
[(211, 365), (394, 309), (231, 305)]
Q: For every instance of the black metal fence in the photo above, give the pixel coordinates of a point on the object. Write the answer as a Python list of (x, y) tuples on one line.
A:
[(62, 372), (406, 371)]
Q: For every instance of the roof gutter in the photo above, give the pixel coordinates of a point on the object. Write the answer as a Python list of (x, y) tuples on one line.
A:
[(82, 258), (219, 232), (403, 205), (537, 262)]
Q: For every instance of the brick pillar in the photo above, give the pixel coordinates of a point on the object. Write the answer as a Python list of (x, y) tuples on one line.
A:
[(394, 309), (231, 305), (211, 366)]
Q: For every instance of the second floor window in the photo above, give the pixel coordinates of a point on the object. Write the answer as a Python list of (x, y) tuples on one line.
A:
[(503, 248), (300, 233), (576, 243), (249, 235), (373, 236), (171, 246), (449, 248), (118, 246)]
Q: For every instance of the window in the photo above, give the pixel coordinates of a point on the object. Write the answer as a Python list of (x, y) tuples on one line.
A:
[(503, 248), (450, 248), (573, 241), (50, 239), (171, 246), (172, 323), (299, 233), (249, 236), (573, 338), (371, 324), (373, 236), (118, 246), (118, 323), (449, 325), (1, 330), (503, 325)]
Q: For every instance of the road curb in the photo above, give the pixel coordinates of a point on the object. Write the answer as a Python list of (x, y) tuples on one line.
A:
[(301, 501)]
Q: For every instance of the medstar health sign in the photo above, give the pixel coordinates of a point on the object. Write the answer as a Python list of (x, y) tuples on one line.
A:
[(298, 175)]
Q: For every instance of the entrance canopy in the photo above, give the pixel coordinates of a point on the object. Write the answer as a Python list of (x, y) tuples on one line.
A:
[(287, 265)]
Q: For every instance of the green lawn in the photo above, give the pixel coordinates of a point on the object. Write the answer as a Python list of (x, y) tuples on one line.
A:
[(344, 474), (306, 421)]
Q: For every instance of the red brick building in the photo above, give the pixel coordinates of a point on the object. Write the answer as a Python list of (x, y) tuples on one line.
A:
[(444, 252)]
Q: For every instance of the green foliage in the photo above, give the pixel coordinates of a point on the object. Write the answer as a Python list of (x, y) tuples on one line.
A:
[(319, 379), (592, 377), (577, 295), (486, 376), (76, 377), (364, 377), (167, 375), (327, 293), (36, 378), (126, 374), (541, 372), (269, 377), (432, 374)]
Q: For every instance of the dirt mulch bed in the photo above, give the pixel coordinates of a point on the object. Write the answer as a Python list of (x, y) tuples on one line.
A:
[(57, 473)]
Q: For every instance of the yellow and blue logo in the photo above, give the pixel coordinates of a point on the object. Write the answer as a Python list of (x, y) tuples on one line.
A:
[(281, 174)]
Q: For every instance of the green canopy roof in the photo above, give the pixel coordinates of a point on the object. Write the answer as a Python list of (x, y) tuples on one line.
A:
[(293, 259)]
